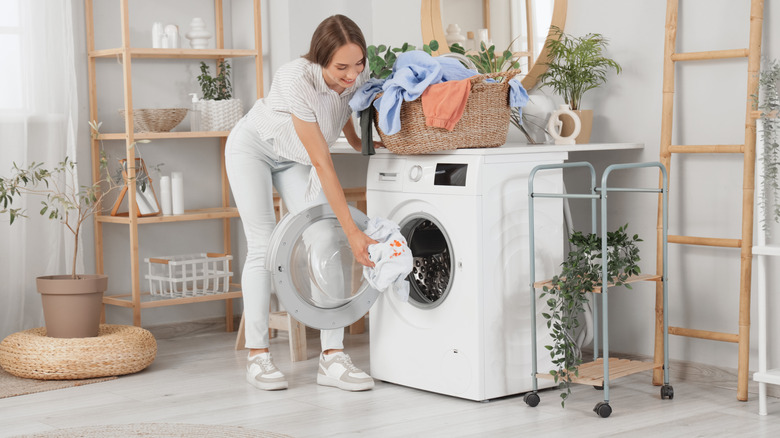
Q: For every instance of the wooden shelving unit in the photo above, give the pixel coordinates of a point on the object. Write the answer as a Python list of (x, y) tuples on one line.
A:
[(138, 300)]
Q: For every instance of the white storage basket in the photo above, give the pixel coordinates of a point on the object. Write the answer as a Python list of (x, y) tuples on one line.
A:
[(219, 115), (189, 275)]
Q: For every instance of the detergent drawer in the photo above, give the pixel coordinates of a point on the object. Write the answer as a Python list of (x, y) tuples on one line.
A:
[(385, 173)]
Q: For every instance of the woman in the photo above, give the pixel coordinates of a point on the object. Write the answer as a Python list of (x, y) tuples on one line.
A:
[(283, 142)]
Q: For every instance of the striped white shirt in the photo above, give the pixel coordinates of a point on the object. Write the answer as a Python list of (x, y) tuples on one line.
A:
[(299, 89)]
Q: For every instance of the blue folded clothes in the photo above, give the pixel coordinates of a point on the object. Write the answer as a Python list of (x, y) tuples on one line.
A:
[(412, 73), (518, 97)]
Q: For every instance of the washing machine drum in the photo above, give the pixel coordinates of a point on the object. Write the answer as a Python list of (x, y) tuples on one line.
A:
[(433, 270), (316, 278)]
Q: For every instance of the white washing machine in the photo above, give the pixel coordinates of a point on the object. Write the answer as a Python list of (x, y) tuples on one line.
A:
[(466, 329)]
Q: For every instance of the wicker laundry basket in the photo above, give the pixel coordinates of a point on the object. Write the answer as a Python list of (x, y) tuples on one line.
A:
[(484, 123)]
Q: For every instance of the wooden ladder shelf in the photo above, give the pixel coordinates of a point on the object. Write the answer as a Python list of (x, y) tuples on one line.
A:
[(745, 241)]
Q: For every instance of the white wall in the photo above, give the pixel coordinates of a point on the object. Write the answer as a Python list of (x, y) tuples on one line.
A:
[(705, 189), (705, 199)]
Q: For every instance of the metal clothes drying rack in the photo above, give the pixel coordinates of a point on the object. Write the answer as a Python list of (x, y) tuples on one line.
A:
[(599, 372)]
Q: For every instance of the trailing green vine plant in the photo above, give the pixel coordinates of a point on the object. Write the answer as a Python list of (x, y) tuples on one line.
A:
[(567, 294), (769, 105)]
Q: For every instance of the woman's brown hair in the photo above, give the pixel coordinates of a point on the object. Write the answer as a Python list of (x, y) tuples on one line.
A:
[(334, 32)]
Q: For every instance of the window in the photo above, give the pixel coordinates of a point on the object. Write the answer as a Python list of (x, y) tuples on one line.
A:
[(11, 97)]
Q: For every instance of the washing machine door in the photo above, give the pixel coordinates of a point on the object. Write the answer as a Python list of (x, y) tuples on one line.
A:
[(315, 276)]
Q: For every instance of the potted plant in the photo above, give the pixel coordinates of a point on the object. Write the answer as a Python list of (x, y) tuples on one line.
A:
[(382, 58), (72, 303), (576, 65), (218, 110), (566, 296)]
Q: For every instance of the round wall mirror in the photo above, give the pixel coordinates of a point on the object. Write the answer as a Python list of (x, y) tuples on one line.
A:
[(523, 26)]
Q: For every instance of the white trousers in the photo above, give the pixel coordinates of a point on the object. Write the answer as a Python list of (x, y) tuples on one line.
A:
[(254, 170)]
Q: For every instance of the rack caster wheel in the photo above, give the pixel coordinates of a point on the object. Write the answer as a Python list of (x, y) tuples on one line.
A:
[(602, 409), (667, 392), (531, 399)]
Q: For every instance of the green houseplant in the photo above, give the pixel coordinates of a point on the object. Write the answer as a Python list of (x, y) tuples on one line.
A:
[(72, 303), (768, 79), (381, 58), (566, 297), (219, 111), (575, 66)]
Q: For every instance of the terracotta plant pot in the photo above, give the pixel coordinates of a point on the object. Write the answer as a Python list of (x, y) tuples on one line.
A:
[(586, 125), (72, 307)]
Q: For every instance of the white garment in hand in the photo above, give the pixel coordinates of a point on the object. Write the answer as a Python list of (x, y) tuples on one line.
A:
[(391, 256)]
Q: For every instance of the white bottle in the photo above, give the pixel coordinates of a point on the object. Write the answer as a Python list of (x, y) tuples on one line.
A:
[(482, 37), (157, 33), (172, 31), (195, 113), (165, 195), (177, 192)]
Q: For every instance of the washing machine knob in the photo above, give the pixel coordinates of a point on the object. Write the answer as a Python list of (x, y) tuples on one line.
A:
[(415, 173)]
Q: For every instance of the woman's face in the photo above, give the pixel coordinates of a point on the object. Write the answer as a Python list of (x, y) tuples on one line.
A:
[(344, 68)]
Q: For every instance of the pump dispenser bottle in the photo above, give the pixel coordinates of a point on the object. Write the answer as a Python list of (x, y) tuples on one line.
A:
[(195, 113)]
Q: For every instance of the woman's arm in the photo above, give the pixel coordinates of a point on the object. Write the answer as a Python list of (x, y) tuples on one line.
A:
[(351, 134), (317, 148)]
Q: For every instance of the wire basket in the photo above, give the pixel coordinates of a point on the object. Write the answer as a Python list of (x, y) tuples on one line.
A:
[(484, 123), (156, 119), (189, 275)]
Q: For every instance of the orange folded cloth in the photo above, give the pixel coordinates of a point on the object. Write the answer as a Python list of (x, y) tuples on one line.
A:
[(443, 103)]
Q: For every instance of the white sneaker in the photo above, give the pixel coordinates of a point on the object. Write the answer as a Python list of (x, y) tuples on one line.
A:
[(337, 370), (263, 374)]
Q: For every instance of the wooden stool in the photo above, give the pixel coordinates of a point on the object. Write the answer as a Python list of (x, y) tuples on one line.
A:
[(283, 321), (280, 321)]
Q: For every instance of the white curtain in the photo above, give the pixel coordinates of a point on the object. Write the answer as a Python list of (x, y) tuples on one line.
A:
[(38, 115)]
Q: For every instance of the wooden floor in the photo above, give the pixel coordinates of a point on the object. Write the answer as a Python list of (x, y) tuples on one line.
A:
[(199, 379)]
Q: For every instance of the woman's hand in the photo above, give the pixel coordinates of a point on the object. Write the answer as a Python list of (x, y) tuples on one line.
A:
[(359, 242), (378, 144)]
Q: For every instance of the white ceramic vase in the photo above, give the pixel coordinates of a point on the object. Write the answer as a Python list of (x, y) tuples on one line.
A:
[(555, 125), (198, 35)]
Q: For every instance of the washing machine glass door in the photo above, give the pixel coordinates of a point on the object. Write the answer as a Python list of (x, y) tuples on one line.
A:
[(315, 276)]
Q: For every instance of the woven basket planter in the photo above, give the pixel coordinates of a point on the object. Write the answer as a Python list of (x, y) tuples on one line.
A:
[(117, 350), (484, 123), (157, 119), (220, 115)]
